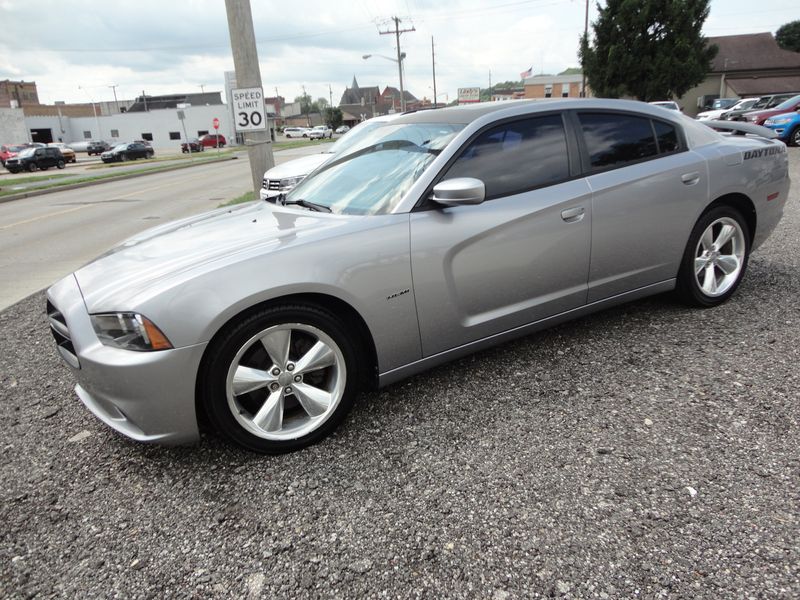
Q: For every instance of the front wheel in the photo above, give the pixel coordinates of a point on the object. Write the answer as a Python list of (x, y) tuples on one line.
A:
[(60, 164), (794, 137), (715, 258), (281, 379), (32, 167)]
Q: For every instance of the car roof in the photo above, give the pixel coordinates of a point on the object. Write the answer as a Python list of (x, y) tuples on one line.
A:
[(468, 113)]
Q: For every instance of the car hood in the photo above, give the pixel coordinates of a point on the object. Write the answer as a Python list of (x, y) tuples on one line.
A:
[(162, 257), (711, 114), (297, 167)]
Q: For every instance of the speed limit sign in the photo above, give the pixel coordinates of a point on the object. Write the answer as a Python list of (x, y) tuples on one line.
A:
[(248, 109)]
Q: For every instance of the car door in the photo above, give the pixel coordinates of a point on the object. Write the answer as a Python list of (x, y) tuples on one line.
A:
[(521, 255), (646, 188)]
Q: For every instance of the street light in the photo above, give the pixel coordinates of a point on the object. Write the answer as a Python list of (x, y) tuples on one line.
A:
[(94, 108), (402, 56)]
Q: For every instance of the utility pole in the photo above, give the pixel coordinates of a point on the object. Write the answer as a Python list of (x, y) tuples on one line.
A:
[(330, 96), (433, 65), (248, 75), (114, 89), (490, 85), (145, 101), (586, 37), (397, 31)]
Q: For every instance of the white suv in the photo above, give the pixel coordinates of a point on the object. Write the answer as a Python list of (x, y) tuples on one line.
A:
[(320, 132)]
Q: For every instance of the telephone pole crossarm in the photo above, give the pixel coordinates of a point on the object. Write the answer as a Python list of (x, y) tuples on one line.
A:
[(397, 31)]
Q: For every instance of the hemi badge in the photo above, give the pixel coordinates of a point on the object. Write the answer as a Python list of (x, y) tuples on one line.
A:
[(772, 196)]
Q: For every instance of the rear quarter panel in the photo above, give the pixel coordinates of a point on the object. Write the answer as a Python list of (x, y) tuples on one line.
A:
[(755, 167)]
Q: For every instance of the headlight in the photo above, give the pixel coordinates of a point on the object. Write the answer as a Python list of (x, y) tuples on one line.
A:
[(129, 331), (289, 182), (779, 121), (752, 118)]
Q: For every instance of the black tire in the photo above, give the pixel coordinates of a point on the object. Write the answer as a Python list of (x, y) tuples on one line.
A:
[(794, 137), (60, 164), (212, 378), (688, 288), (123, 158), (150, 155), (32, 167)]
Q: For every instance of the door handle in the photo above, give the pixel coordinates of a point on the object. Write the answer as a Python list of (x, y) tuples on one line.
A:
[(573, 215), (690, 178)]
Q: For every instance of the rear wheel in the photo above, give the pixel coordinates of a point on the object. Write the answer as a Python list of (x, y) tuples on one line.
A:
[(715, 258), (281, 379)]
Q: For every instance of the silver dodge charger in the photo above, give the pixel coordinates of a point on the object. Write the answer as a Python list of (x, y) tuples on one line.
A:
[(440, 233)]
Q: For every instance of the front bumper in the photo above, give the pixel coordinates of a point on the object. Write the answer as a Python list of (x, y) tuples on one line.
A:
[(147, 396)]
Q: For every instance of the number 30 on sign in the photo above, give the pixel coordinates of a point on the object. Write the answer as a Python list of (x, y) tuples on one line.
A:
[(248, 109)]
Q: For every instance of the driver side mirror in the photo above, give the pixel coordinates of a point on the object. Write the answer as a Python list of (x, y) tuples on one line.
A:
[(459, 191)]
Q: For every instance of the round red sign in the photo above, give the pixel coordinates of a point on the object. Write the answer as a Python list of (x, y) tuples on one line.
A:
[(216, 123)]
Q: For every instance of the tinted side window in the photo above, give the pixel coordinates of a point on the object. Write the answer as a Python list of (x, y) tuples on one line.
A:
[(667, 137), (614, 140), (515, 157)]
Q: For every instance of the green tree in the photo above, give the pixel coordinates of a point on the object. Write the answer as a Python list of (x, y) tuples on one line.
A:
[(333, 117), (648, 49), (788, 36)]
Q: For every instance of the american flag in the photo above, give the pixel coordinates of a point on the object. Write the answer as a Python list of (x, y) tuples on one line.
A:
[(526, 74)]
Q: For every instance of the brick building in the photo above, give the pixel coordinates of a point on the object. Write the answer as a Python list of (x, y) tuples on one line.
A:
[(22, 93)]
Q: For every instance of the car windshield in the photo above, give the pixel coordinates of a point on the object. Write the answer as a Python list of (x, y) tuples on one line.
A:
[(27, 152), (788, 104), (121, 147), (374, 174), (354, 136), (16, 148)]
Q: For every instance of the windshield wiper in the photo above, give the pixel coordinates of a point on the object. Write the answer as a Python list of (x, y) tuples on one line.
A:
[(309, 205)]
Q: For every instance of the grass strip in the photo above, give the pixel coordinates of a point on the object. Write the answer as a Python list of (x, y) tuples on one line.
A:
[(86, 180), (198, 156), (246, 197), (21, 180)]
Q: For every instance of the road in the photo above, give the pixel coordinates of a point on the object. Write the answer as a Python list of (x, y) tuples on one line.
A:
[(45, 237)]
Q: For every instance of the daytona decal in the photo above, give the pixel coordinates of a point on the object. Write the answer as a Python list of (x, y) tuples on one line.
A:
[(764, 152)]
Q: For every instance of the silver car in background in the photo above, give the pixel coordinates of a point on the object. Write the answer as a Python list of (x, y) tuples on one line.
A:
[(440, 233)]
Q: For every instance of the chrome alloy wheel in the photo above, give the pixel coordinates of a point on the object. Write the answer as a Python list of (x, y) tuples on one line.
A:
[(719, 256), (286, 381)]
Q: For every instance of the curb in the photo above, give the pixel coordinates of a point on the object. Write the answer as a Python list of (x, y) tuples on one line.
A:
[(75, 186)]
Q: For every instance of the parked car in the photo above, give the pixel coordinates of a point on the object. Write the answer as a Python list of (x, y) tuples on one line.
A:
[(320, 132), (210, 140), (342, 129), (787, 126), (763, 103), (291, 132), (458, 229), (10, 151), (282, 178), (713, 115), (194, 145), (67, 152), (758, 117), (671, 105), (97, 147), (35, 159), (127, 151)]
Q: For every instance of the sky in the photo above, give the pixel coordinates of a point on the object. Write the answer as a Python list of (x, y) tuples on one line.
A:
[(75, 49)]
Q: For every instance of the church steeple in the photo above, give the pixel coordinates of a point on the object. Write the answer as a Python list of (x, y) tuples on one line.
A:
[(354, 85)]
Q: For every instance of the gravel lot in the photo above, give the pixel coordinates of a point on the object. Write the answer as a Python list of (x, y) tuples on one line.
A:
[(647, 451)]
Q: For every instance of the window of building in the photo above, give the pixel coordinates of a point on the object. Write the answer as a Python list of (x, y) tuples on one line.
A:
[(614, 140), (115, 133), (87, 135), (202, 132), (174, 135), (565, 90), (515, 157), (147, 136), (548, 91)]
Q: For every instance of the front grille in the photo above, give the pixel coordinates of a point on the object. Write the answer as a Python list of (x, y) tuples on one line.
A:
[(265, 184), (60, 331), (274, 185)]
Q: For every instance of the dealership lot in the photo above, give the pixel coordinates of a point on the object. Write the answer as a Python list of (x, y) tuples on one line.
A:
[(649, 450)]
